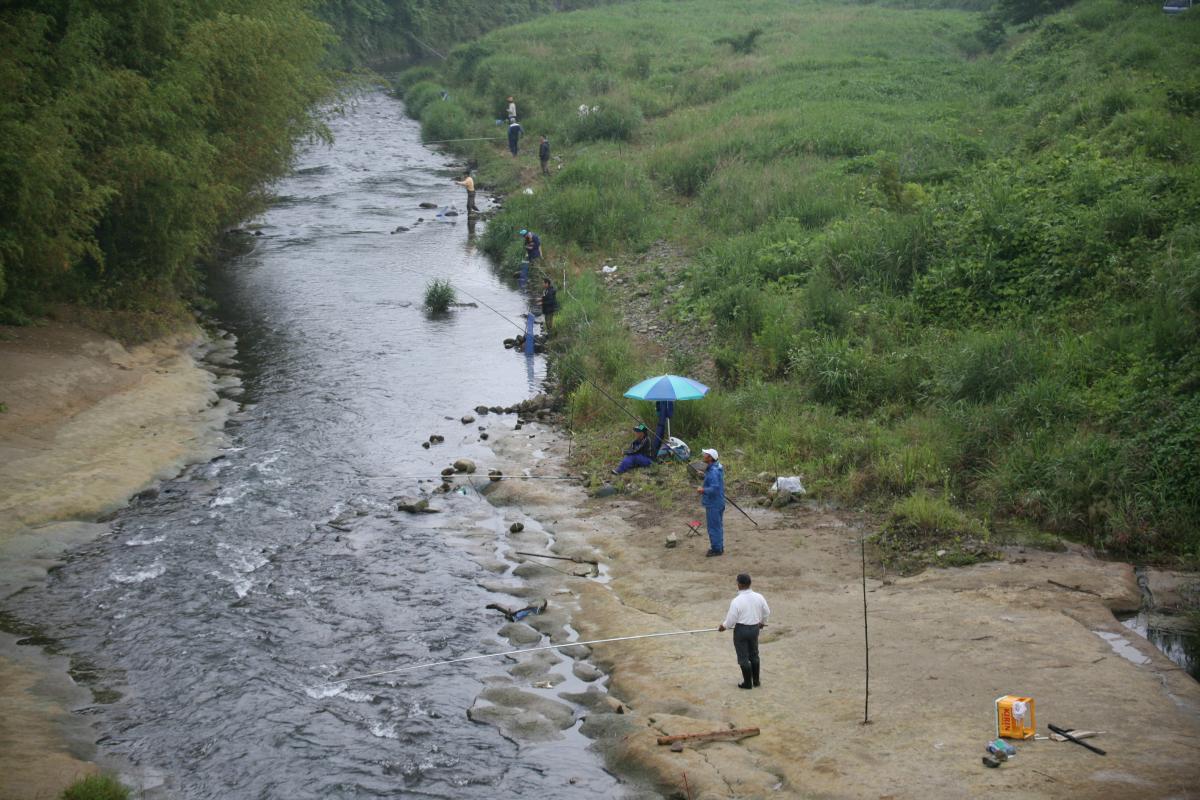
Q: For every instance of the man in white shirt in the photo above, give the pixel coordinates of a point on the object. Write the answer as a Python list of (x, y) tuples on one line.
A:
[(747, 615)]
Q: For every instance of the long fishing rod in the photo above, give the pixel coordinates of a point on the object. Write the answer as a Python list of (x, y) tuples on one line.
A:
[(426, 665), (489, 477), (476, 139), (595, 386)]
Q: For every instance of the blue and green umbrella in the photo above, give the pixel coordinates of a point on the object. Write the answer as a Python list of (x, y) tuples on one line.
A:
[(667, 387)]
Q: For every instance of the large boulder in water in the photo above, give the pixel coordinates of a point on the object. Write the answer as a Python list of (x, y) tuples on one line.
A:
[(464, 465), (522, 715)]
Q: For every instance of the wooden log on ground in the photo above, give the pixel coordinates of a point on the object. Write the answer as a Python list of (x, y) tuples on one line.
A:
[(709, 736)]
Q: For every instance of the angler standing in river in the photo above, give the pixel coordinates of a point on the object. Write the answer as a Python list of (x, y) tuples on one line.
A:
[(469, 184)]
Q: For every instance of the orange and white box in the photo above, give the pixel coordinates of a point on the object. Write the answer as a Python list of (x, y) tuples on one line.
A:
[(1014, 717)]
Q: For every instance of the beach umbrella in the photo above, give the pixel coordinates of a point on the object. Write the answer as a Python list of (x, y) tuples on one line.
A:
[(667, 387)]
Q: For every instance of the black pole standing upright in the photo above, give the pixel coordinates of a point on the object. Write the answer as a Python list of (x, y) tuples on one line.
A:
[(866, 640)]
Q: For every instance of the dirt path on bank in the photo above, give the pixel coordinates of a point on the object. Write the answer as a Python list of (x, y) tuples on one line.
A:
[(944, 645), (87, 424)]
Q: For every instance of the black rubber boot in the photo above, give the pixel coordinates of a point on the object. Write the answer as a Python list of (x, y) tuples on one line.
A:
[(754, 672), (746, 679)]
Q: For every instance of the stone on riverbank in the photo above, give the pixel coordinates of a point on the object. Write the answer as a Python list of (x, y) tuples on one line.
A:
[(519, 633), (464, 465), (586, 672), (522, 715)]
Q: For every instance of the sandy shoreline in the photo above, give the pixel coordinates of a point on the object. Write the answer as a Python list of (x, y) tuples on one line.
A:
[(88, 425), (944, 645)]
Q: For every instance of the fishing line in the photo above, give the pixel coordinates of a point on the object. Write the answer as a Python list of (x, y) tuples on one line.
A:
[(427, 47), (429, 664)]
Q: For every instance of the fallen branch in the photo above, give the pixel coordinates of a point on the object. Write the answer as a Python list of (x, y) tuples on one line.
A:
[(710, 736)]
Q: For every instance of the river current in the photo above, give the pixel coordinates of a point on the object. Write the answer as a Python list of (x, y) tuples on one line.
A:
[(213, 601)]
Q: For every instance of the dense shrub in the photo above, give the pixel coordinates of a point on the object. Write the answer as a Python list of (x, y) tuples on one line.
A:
[(439, 296), (615, 120), (130, 136), (96, 787)]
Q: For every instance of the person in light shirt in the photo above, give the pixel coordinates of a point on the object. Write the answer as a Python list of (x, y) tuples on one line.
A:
[(747, 615)]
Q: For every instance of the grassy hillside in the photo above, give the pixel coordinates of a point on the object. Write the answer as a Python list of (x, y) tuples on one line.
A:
[(925, 270)]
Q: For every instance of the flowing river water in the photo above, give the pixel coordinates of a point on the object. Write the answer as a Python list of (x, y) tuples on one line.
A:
[(199, 618)]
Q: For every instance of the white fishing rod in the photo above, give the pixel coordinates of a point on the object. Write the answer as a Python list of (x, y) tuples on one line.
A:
[(427, 665)]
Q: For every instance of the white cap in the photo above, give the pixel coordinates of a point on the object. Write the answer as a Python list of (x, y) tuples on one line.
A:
[(710, 452)]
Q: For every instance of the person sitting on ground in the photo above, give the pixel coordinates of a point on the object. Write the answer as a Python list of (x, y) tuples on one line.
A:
[(638, 453)]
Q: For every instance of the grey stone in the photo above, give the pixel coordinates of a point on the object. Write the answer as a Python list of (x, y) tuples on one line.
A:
[(516, 527), (520, 633), (522, 715), (467, 419), (586, 672), (464, 465), (415, 506)]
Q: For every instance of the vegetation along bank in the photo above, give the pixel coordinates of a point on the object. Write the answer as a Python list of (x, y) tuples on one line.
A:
[(942, 262), (132, 134)]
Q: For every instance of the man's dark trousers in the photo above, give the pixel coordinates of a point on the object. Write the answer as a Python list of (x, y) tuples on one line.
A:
[(745, 644)]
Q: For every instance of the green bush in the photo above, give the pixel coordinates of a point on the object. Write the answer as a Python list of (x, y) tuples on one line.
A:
[(439, 295), (983, 365), (924, 529), (444, 120), (406, 80), (96, 787), (611, 119), (420, 96)]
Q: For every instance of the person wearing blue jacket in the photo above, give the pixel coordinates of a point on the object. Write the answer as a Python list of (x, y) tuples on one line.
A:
[(712, 497), (638, 453)]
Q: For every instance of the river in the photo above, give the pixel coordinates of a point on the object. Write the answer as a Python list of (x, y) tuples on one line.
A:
[(199, 617)]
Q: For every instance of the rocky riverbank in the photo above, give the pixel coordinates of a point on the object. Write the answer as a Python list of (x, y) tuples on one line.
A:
[(86, 424), (943, 645)]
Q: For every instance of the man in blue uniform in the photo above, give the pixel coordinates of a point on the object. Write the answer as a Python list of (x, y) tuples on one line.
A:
[(712, 497)]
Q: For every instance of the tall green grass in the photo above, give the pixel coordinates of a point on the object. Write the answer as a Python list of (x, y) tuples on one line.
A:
[(927, 271)]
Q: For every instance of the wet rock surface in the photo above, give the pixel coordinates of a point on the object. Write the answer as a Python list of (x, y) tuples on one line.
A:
[(522, 715)]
